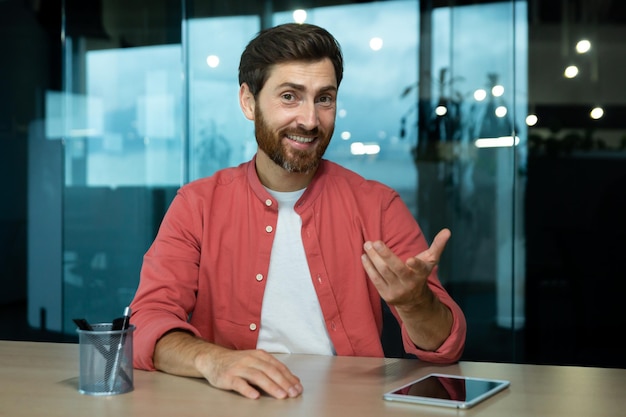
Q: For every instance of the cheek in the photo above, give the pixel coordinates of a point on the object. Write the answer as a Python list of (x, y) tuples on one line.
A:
[(327, 119), (280, 119)]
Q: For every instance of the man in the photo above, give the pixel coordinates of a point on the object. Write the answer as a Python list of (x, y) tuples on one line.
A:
[(288, 252)]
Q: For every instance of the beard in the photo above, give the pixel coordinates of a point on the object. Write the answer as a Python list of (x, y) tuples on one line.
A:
[(291, 160)]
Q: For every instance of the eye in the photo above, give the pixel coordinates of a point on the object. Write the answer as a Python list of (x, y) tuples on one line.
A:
[(326, 100), (288, 97)]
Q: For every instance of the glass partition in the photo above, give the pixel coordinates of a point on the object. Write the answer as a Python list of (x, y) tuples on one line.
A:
[(116, 129), (470, 156)]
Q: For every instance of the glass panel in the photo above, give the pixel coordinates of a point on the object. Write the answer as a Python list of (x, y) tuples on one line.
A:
[(121, 115), (220, 136), (140, 105), (575, 201), (473, 95)]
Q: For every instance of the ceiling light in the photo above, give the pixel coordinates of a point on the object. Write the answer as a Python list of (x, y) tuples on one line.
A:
[(597, 113), (571, 71), (583, 46)]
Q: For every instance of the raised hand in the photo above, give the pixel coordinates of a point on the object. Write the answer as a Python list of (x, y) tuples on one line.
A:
[(402, 283)]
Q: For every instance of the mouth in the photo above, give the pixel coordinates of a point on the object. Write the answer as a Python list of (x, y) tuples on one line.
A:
[(300, 139)]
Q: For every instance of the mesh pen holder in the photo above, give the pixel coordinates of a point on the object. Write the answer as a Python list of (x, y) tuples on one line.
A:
[(106, 360)]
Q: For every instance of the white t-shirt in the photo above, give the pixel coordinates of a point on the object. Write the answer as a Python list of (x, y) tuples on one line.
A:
[(291, 317)]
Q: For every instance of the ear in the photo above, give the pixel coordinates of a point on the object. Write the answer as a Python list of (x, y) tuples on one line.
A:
[(247, 101)]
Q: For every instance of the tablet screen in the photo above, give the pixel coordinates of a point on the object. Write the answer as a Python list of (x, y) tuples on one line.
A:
[(447, 390)]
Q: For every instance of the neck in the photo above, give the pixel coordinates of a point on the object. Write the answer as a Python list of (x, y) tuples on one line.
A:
[(277, 178)]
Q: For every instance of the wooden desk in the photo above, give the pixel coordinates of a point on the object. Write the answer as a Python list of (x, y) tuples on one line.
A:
[(41, 379)]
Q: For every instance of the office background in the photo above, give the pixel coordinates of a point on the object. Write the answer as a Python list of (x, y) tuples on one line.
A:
[(488, 117)]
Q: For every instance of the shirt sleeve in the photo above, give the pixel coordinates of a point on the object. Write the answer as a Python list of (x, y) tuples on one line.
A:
[(452, 348), (168, 284)]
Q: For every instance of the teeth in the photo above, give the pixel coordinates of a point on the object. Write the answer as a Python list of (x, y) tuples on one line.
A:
[(300, 139)]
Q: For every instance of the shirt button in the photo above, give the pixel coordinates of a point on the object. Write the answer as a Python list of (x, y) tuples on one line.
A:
[(269, 229), (259, 277), (268, 202), (252, 326)]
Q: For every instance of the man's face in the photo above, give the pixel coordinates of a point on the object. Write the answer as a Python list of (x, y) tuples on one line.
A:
[(294, 114)]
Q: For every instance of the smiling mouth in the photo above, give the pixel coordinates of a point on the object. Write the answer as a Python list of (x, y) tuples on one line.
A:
[(300, 139)]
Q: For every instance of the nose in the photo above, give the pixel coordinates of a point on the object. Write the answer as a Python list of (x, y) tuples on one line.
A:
[(307, 116)]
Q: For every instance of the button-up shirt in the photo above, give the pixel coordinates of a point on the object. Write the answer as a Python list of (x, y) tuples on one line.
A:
[(206, 270)]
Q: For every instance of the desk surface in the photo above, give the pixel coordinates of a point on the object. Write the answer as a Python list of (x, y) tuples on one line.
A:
[(38, 379)]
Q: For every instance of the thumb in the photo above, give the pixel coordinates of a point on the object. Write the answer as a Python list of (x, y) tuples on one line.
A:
[(432, 255), (439, 243)]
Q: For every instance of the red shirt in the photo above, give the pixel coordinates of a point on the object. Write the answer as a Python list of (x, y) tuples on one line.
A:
[(206, 269)]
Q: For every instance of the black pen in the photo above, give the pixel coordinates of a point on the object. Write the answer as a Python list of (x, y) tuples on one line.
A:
[(83, 324), (120, 346)]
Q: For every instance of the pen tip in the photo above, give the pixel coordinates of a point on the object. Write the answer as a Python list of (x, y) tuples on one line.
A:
[(127, 312)]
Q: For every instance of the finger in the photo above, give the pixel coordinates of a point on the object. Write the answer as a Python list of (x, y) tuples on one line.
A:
[(432, 255), (250, 372), (385, 263), (375, 265), (273, 376), (282, 377), (235, 379), (260, 380), (242, 386), (439, 243), (425, 262), (250, 382), (377, 279)]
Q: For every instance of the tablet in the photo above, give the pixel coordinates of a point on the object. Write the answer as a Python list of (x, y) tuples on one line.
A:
[(447, 390)]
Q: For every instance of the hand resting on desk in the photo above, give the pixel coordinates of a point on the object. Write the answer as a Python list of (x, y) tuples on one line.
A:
[(247, 372)]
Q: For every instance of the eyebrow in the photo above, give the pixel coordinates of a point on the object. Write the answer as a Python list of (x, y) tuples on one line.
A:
[(301, 87)]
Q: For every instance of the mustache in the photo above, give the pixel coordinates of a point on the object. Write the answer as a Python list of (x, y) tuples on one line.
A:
[(301, 132)]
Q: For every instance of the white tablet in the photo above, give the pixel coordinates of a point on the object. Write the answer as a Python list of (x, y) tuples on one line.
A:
[(447, 390)]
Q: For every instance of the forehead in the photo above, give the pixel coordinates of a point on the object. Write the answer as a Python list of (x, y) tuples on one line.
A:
[(310, 75)]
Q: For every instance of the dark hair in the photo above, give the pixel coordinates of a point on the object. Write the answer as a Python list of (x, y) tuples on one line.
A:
[(285, 43)]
